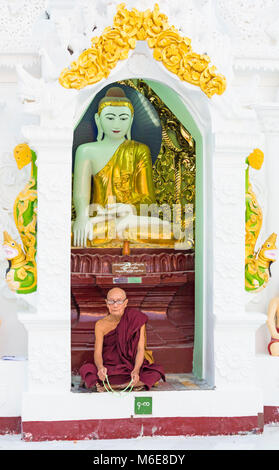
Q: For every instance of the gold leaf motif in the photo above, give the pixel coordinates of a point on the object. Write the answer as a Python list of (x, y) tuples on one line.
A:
[(256, 158), (23, 155), (173, 50), (211, 82), (192, 66), (170, 48), (21, 274)]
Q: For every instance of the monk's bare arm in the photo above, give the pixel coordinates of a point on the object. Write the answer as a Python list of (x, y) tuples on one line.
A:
[(98, 352), (273, 311), (140, 351)]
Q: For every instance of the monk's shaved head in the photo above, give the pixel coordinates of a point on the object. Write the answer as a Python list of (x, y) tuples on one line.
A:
[(116, 302), (116, 291)]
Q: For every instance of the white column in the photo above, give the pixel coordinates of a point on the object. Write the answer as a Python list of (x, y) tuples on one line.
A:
[(49, 358), (268, 115), (234, 330)]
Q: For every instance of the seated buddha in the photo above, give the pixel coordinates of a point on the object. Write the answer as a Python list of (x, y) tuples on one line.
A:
[(122, 183)]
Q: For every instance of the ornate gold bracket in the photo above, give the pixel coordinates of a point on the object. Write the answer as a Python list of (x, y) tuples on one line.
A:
[(21, 275), (257, 263), (174, 51)]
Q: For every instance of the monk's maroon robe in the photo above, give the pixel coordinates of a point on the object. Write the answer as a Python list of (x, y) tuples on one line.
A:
[(119, 354)]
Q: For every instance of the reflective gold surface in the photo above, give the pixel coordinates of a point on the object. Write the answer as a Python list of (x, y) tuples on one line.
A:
[(127, 176), (169, 47), (127, 179), (174, 171)]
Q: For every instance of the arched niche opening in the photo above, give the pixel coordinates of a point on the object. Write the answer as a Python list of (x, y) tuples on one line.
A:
[(182, 343)]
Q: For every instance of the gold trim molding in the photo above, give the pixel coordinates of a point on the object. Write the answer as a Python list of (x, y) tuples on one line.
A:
[(174, 51)]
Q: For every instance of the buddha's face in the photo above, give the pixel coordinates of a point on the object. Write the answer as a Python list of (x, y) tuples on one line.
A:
[(115, 121)]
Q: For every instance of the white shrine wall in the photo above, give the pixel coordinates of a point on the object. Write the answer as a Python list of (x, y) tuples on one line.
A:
[(13, 336), (250, 82), (235, 334), (49, 326)]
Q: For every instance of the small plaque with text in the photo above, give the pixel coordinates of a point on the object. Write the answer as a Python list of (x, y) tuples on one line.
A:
[(128, 268)]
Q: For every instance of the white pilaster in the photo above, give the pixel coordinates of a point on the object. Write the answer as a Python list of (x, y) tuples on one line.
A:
[(234, 330), (49, 326), (268, 115)]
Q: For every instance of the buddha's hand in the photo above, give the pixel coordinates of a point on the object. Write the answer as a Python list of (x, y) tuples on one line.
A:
[(134, 377), (81, 230), (102, 372)]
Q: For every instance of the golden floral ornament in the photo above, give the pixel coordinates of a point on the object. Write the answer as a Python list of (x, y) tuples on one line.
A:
[(192, 67), (257, 261), (23, 155), (169, 47), (140, 24), (256, 158)]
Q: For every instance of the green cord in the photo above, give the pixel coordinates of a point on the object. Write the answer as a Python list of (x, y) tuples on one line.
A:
[(115, 391)]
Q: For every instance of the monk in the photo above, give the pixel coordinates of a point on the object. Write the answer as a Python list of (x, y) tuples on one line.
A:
[(273, 326), (120, 349)]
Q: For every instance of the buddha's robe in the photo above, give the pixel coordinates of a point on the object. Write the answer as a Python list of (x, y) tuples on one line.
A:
[(127, 179), (119, 354)]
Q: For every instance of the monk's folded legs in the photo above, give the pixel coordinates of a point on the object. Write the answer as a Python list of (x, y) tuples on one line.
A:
[(148, 378)]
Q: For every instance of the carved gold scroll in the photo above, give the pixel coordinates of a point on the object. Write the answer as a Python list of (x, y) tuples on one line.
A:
[(169, 47)]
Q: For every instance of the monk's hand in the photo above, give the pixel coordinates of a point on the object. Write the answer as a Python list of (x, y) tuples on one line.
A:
[(102, 372), (134, 377)]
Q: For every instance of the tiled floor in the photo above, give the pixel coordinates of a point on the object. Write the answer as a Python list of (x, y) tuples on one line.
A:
[(173, 382), (182, 382)]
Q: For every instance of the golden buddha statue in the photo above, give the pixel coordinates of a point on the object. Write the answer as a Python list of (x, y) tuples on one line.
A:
[(122, 183)]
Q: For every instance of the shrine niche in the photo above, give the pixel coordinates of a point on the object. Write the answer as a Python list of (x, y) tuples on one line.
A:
[(151, 254), (164, 177), (197, 148)]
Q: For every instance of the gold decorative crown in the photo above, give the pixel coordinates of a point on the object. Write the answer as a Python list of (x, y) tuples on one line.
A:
[(169, 47)]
